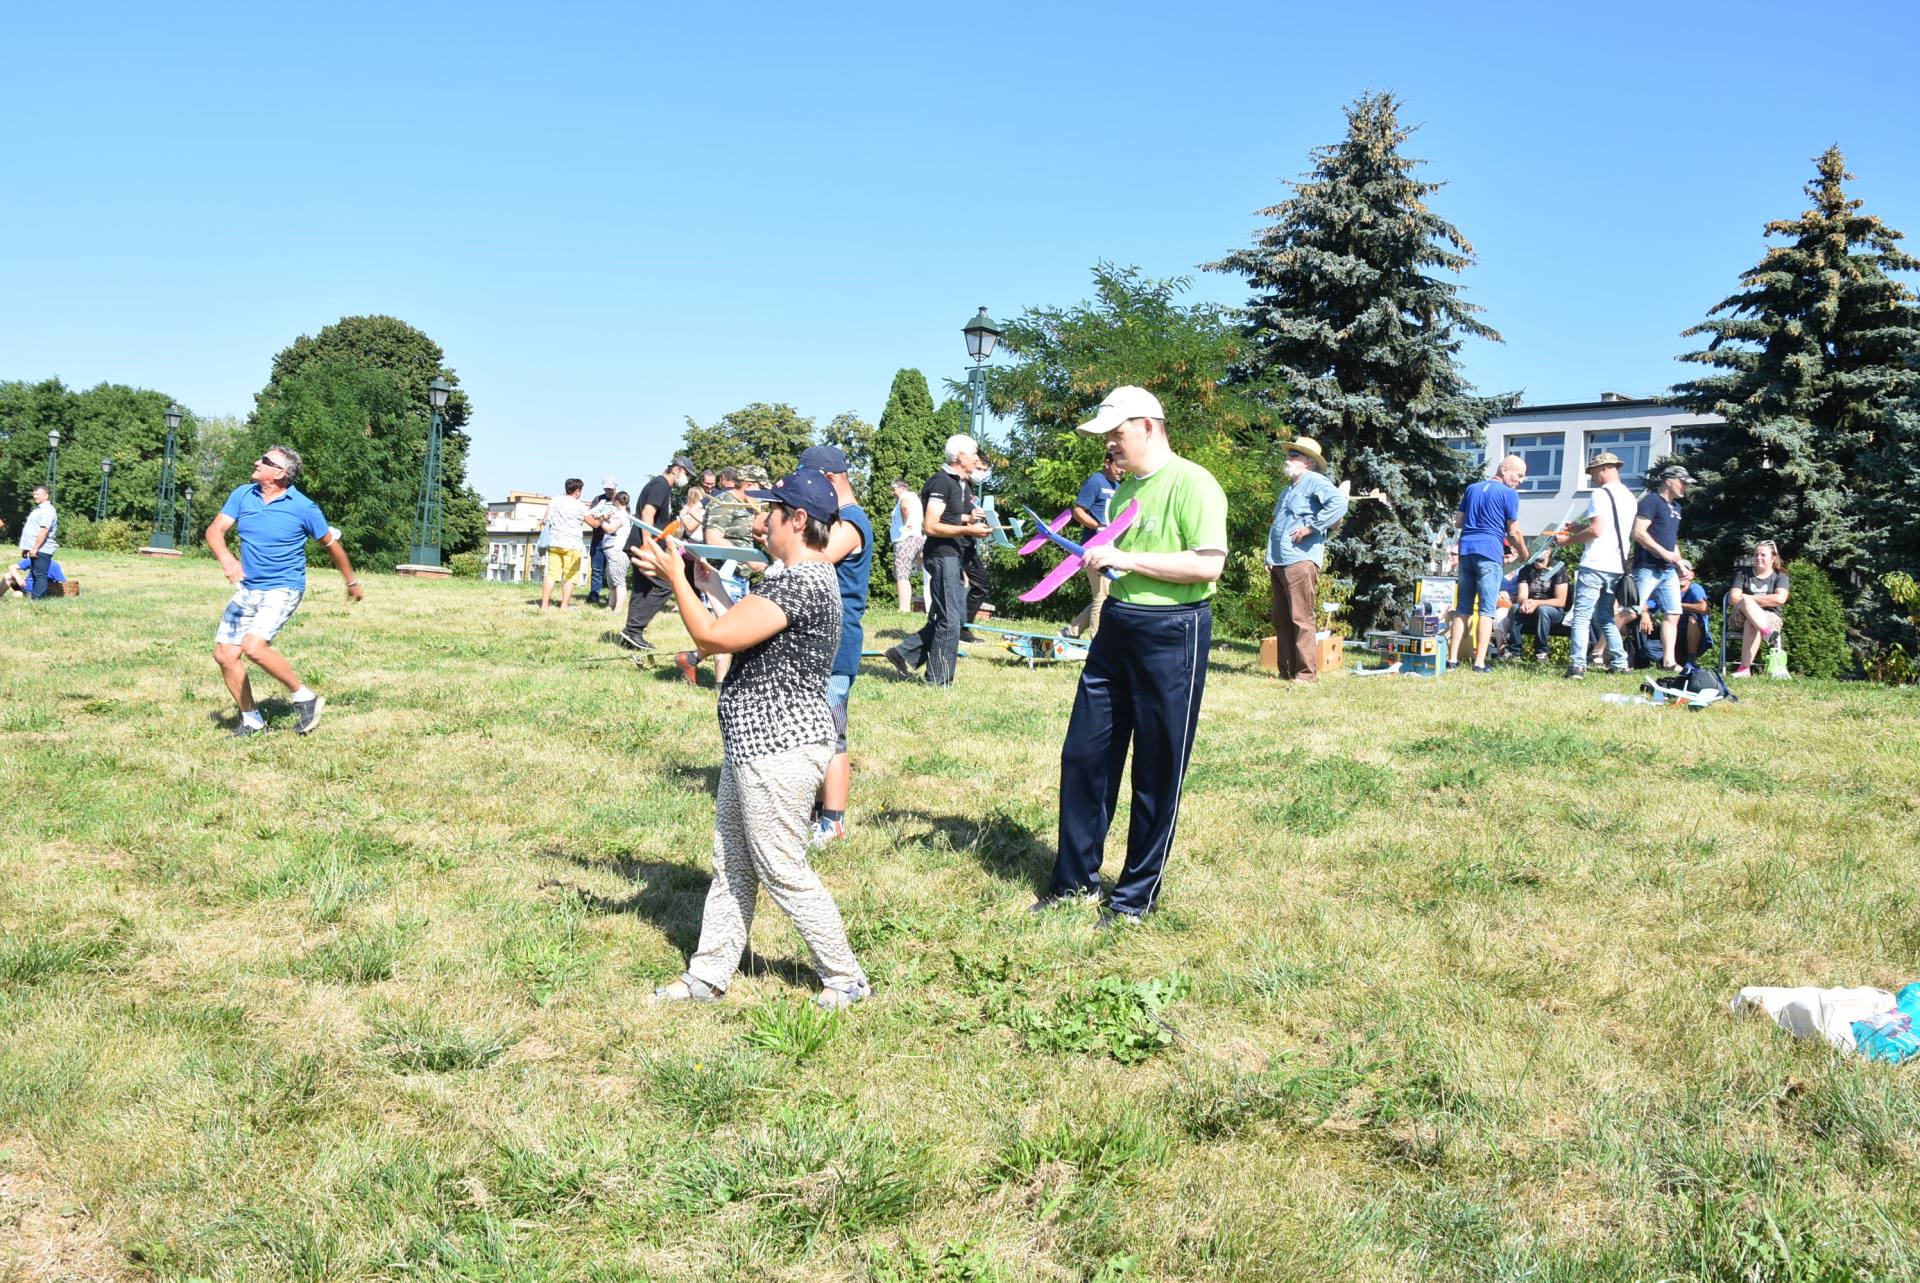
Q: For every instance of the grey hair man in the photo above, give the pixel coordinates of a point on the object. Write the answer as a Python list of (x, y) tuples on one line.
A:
[(949, 518), (269, 578)]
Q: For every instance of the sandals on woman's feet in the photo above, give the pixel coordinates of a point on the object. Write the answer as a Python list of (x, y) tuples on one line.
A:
[(688, 989)]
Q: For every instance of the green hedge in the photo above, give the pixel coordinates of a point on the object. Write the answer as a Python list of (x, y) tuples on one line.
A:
[(1814, 624)]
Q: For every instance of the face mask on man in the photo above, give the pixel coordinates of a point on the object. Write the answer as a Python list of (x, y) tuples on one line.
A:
[(979, 476)]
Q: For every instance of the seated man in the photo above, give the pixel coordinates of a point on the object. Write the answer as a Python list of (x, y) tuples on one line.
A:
[(1696, 620), (20, 579), (1639, 627), (1539, 603)]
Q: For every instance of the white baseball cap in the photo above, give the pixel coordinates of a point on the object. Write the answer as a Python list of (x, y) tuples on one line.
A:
[(1122, 404), (609, 483)]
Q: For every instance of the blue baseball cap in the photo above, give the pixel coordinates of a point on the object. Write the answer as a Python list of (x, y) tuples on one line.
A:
[(827, 458), (806, 490)]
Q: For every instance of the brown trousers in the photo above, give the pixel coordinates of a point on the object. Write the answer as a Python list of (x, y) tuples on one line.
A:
[(1295, 646)]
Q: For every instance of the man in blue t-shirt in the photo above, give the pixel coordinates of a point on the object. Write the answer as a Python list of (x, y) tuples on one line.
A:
[(269, 579), (850, 549), (1657, 562), (1090, 510), (1489, 522)]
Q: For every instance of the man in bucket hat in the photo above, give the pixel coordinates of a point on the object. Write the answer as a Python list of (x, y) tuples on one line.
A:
[(1307, 509), (1147, 667), (1606, 531)]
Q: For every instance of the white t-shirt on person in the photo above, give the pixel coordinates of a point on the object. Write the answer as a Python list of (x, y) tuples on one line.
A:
[(1616, 503), (566, 519)]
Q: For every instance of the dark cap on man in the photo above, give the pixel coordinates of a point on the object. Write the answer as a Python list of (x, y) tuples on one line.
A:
[(803, 490), (827, 458), (682, 462)]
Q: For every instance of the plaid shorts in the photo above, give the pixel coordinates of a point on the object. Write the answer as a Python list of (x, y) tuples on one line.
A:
[(257, 612)]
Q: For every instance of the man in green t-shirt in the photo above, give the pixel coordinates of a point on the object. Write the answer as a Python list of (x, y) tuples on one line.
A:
[(1147, 668)]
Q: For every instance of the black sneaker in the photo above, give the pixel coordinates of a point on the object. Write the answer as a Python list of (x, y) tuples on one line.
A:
[(1047, 902), (1483, 668), (308, 712), (1617, 669), (632, 642), (893, 656), (968, 635), (1576, 674), (1117, 919)]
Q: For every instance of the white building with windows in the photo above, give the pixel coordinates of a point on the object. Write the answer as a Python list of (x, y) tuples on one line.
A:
[(1556, 440), (513, 528)]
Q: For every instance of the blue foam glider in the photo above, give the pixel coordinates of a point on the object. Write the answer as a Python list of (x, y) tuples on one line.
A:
[(716, 551)]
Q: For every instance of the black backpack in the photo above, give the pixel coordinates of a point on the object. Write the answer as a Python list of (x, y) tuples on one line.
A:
[(1694, 680)]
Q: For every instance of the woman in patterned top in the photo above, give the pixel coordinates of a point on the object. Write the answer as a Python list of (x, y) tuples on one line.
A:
[(776, 737)]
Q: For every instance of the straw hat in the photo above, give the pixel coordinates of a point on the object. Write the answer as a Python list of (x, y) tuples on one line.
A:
[(1311, 449)]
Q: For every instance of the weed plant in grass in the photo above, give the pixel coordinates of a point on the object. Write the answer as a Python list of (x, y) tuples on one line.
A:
[(1447, 960)]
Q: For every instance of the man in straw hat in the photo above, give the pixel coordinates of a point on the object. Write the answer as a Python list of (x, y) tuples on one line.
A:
[(1607, 532), (1308, 508), (1147, 668)]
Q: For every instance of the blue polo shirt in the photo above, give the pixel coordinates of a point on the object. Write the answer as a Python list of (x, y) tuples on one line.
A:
[(1095, 494), (273, 536), (1485, 511)]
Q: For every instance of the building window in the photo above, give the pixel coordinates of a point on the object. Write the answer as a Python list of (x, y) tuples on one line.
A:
[(1475, 453), (1687, 438), (1633, 445), (1544, 454)]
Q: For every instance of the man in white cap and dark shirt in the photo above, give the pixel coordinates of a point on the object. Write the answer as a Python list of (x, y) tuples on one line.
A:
[(597, 559), (1307, 510), (1147, 667)]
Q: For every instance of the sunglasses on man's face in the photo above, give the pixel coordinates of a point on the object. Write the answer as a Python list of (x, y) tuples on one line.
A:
[(272, 464)]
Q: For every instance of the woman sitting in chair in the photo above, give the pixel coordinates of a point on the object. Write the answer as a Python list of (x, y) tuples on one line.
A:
[(1755, 600)]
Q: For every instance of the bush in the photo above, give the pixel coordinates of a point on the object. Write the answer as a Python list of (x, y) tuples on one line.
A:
[(1815, 624), (465, 565), (111, 535)]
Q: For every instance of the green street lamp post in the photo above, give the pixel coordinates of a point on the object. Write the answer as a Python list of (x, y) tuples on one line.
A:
[(162, 537), (100, 508), (424, 557), (982, 333), (53, 465), (186, 517)]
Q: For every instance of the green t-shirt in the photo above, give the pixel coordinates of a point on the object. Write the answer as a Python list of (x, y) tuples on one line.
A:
[(1182, 509)]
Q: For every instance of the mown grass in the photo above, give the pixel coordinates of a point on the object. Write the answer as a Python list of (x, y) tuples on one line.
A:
[(1438, 987)]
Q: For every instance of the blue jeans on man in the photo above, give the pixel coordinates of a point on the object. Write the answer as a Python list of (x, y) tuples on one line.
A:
[(598, 560), (42, 572), (938, 643), (1538, 624), (1595, 589)]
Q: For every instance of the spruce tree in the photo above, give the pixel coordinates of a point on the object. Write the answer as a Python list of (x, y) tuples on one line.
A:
[(1816, 360), (907, 444), (1349, 314)]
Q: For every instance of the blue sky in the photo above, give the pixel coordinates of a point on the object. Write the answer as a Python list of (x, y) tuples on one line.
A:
[(614, 216)]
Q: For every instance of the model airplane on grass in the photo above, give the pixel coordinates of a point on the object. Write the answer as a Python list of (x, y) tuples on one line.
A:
[(1037, 648), (1077, 551), (716, 551)]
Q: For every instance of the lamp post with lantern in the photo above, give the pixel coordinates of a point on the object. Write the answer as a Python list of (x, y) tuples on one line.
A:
[(106, 472), (423, 559), (53, 465), (186, 517), (982, 333), (161, 541)]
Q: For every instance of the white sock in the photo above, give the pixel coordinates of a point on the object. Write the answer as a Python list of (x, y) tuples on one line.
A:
[(302, 695), (252, 718)]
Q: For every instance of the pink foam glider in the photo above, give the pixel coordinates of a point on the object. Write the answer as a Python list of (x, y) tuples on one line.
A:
[(1058, 524), (1068, 568)]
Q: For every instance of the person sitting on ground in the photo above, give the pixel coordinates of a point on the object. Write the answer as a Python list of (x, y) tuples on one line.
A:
[(1539, 603), (20, 579), (776, 738), (1757, 595), (1696, 619)]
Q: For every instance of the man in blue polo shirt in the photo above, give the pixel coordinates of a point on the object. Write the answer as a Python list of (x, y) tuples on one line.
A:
[(1489, 522), (850, 548), (269, 579)]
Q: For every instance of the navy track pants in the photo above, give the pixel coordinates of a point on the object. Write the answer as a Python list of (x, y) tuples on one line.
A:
[(1141, 688)]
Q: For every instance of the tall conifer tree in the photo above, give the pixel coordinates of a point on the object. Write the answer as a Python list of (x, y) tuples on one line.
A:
[(1816, 356), (907, 443), (1348, 312)]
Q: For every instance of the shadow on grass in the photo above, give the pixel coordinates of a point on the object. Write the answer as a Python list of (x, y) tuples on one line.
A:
[(707, 778), (1005, 847), (671, 897)]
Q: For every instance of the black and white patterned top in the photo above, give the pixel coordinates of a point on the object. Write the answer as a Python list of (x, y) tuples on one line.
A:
[(775, 695)]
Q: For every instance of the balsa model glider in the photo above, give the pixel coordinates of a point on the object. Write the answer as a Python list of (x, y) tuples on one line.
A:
[(1076, 551), (716, 551), (1037, 648)]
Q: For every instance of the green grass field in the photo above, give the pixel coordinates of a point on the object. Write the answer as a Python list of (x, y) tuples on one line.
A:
[(1437, 990)]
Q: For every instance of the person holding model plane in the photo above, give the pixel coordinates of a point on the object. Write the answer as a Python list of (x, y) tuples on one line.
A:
[(1147, 668)]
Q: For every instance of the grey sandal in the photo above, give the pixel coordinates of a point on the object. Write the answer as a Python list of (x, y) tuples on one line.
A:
[(691, 989)]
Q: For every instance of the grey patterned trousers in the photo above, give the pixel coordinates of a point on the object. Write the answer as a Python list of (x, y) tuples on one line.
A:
[(760, 838)]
